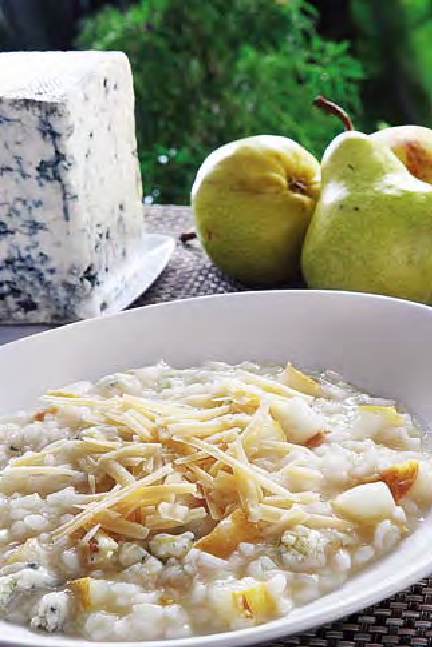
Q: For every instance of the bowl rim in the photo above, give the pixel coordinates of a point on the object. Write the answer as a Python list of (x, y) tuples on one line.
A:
[(137, 311)]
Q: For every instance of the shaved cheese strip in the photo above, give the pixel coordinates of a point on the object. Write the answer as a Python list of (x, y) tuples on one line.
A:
[(156, 493), (203, 477), (95, 447), (252, 471), (303, 498), (216, 512), (282, 447), (134, 461), (225, 436), (80, 446), (141, 419), (268, 385), (299, 381), (201, 414), (153, 496), (108, 501), (59, 398), (219, 468), (156, 522), (271, 514), (89, 498), (178, 447), (209, 427), (149, 422), (187, 429), (224, 481), (29, 459), (132, 450), (193, 458), (219, 465), (92, 483), (118, 473), (174, 478), (204, 399), (128, 529), (132, 423), (38, 470), (116, 418), (252, 431), (230, 391), (152, 407), (321, 521), (288, 518), (249, 491)]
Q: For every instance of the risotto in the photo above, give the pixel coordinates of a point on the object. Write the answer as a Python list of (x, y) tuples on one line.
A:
[(163, 503)]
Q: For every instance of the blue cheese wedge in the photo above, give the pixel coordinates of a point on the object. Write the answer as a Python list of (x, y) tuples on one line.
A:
[(71, 216)]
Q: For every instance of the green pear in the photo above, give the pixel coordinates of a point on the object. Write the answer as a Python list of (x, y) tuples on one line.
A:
[(372, 227), (252, 201), (412, 145)]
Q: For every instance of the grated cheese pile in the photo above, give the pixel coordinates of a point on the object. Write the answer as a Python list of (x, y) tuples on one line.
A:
[(151, 464), (204, 456)]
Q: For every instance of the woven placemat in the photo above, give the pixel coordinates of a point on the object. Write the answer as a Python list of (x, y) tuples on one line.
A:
[(406, 618), (189, 273)]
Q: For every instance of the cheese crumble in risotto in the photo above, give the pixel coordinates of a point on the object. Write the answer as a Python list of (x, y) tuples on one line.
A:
[(163, 503)]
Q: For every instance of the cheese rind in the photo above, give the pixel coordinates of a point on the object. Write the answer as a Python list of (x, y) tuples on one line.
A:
[(71, 215)]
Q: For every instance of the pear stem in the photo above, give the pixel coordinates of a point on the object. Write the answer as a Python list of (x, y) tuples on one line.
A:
[(331, 108), (186, 236)]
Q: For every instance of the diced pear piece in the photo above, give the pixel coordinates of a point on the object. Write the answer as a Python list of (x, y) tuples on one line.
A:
[(272, 431), (223, 540), (262, 427), (316, 440), (366, 503), (100, 549), (389, 414), (29, 551), (300, 478), (400, 478), (93, 594), (297, 419), (421, 490), (300, 382), (255, 602), (373, 419), (81, 589)]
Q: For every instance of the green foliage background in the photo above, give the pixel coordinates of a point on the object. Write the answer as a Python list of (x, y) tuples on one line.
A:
[(392, 39), (206, 73), (210, 72)]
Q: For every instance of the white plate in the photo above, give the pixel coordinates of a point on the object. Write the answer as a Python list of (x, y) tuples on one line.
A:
[(139, 275), (380, 344), (156, 252)]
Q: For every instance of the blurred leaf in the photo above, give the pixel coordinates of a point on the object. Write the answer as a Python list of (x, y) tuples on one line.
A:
[(393, 44)]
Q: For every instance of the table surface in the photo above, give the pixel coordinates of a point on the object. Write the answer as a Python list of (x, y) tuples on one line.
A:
[(190, 272), (403, 620)]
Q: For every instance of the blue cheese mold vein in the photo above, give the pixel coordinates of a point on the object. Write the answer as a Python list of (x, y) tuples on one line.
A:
[(71, 217)]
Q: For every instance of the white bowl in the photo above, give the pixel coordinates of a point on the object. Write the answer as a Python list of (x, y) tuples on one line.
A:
[(381, 345)]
